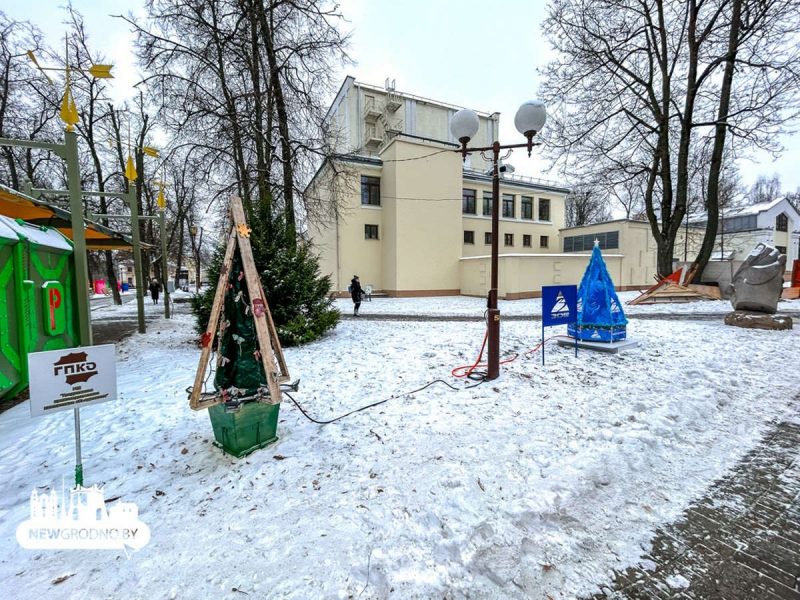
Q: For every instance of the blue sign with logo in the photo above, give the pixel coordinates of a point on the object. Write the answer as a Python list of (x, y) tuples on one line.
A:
[(559, 307), (559, 304)]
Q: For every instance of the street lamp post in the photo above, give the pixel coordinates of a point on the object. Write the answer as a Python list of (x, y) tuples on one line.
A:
[(529, 120)]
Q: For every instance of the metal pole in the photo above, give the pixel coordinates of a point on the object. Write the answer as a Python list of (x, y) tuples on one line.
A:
[(81, 270), (493, 327), (78, 461), (78, 238), (137, 257), (165, 276), (542, 339)]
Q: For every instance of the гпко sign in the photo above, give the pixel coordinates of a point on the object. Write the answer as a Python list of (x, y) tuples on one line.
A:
[(71, 378)]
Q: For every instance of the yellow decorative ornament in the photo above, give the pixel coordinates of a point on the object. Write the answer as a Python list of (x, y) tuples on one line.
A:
[(244, 230), (130, 170), (101, 71), (68, 112), (161, 200)]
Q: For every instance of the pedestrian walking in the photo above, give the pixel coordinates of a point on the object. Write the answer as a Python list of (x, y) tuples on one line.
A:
[(155, 289), (356, 293)]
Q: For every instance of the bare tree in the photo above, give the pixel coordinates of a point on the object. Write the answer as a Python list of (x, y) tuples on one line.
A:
[(644, 82), (586, 204), (90, 95), (765, 189), (27, 106), (241, 84)]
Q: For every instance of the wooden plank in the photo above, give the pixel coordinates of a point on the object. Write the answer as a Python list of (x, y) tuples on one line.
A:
[(254, 291), (211, 328), (283, 371), (791, 293)]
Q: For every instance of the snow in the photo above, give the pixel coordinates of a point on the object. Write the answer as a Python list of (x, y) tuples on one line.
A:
[(677, 582), (539, 483), (466, 306), (49, 238)]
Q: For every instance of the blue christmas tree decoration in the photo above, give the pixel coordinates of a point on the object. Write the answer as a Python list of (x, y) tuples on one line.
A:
[(600, 314)]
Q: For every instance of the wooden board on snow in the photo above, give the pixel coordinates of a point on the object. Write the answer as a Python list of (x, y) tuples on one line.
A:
[(669, 292)]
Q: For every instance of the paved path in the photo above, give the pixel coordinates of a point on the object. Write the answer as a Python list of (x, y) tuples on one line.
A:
[(740, 542), (104, 301)]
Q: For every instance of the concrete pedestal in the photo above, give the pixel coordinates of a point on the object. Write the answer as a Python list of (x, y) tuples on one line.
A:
[(612, 347)]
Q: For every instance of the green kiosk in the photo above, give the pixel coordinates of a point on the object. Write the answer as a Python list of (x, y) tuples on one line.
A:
[(37, 298)]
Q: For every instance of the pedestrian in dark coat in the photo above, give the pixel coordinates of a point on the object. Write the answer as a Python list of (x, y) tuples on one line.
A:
[(155, 289), (356, 293)]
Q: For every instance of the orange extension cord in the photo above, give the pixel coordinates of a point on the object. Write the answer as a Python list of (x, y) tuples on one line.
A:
[(467, 370)]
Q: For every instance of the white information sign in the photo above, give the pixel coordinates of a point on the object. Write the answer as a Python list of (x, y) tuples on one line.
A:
[(71, 378)]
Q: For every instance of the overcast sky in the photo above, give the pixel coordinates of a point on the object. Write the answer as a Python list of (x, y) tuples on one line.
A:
[(479, 54)]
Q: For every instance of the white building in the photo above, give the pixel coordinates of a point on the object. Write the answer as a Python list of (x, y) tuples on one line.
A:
[(775, 223)]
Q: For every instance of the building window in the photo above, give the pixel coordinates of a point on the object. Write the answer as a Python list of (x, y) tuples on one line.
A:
[(527, 207), (781, 249), (370, 232), (487, 238), (370, 190), (743, 223), (782, 223), (543, 241), (508, 206), (508, 239), (526, 241), (544, 209), (469, 237), (487, 204), (468, 202), (585, 243)]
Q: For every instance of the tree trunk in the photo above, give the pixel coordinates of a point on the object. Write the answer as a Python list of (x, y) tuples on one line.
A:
[(721, 128), (283, 129), (179, 265)]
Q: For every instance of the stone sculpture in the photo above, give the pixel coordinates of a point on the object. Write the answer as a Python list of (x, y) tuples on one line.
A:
[(758, 283)]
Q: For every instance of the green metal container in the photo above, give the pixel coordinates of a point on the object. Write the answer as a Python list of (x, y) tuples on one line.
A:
[(252, 427), (38, 308)]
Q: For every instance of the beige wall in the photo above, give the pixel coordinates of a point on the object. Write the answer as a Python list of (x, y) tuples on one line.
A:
[(426, 242), (517, 226), (342, 247), (420, 223), (522, 276), (637, 249)]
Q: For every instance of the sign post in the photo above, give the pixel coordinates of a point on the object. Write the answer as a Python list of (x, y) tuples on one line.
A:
[(69, 379), (559, 307)]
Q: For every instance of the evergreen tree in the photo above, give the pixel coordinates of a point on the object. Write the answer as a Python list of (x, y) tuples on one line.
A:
[(298, 296)]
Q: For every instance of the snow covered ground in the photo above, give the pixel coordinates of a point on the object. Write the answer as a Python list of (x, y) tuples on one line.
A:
[(536, 484), (468, 306)]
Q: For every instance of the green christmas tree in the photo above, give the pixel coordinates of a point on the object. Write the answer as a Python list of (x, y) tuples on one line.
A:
[(298, 296)]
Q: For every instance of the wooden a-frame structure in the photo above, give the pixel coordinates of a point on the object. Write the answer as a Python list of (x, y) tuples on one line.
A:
[(268, 343)]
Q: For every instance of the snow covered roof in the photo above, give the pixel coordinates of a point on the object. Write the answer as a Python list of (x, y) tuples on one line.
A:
[(6, 232), (42, 236), (754, 209), (17, 205), (742, 211)]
